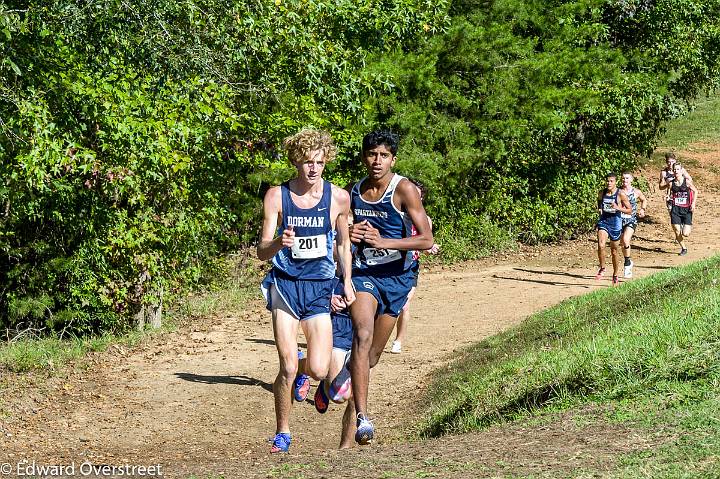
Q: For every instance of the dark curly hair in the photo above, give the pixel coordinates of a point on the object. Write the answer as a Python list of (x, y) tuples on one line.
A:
[(381, 137)]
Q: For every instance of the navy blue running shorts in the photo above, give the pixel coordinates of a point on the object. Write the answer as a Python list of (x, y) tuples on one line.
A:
[(390, 292), (613, 231), (342, 329), (304, 299)]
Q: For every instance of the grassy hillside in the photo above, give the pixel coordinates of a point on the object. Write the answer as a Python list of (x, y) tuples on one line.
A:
[(649, 351), (702, 123)]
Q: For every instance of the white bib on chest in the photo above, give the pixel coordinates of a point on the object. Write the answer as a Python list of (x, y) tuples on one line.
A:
[(309, 247), (374, 256)]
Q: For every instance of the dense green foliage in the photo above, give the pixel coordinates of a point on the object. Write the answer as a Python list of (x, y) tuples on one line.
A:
[(522, 107), (136, 138)]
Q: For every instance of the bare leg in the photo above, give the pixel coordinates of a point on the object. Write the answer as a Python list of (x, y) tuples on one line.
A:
[(383, 329), (685, 233), (362, 312), (318, 333), (602, 237), (679, 237), (285, 329), (615, 253), (625, 240), (404, 319), (347, 437)]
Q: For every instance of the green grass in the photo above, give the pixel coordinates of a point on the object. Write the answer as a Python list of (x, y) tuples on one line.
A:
[(649, 349), (693, 423), (700, 124), (231, 293), (51, 353)]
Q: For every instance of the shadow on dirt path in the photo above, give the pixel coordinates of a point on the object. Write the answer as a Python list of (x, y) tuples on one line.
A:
[(198, 401)]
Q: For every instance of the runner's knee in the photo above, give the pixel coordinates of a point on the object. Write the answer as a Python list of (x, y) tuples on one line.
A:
[(288, 372), (316, 370), (363, 338)]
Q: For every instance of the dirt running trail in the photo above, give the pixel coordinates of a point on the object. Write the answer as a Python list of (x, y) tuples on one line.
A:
[(198, 401)]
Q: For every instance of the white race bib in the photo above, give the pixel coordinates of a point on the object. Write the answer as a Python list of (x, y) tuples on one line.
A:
[(309, 247), (607, 207), (681, 201), (374, 256)]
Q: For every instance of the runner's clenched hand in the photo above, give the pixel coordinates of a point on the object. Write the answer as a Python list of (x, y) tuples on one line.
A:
[(288, 237), (337, 303)]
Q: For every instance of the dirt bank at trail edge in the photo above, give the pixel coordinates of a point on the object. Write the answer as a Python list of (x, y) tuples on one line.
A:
[(198, 401)]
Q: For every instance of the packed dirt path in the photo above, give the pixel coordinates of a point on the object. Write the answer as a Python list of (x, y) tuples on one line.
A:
[(198, 401)]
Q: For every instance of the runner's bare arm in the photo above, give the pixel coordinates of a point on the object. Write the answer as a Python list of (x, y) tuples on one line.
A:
[(269, 245), (695, 191), (351, 222), (341, 198), (643, 202), (624, 205), (663, 184), (435, 248)]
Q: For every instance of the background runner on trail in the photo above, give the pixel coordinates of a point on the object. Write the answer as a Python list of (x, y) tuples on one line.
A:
[(683, 195), (612, 202), (405, 316), (630, 221)]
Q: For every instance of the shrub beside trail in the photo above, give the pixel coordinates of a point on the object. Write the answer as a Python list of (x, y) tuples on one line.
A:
[(137, 138)]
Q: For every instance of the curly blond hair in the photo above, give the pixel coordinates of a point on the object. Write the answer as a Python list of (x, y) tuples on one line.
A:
[(299, 145)]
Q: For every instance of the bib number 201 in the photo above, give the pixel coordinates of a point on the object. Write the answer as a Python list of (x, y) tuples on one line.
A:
[(308, 247)]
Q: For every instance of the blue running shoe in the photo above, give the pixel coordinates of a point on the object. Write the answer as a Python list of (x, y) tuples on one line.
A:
[(321, 399), (301, 386), (281, 443), (365, 430)]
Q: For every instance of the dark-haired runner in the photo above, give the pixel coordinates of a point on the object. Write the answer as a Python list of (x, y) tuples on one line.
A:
[(611, 203), (384, 207)]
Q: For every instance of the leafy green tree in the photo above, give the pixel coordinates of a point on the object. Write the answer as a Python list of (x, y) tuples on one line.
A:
[(137, 137), (521, 107)]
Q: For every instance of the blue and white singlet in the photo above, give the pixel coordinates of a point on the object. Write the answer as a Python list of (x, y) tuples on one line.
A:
[(391, 222), (633, 203), (609, 213), (311, 257)]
